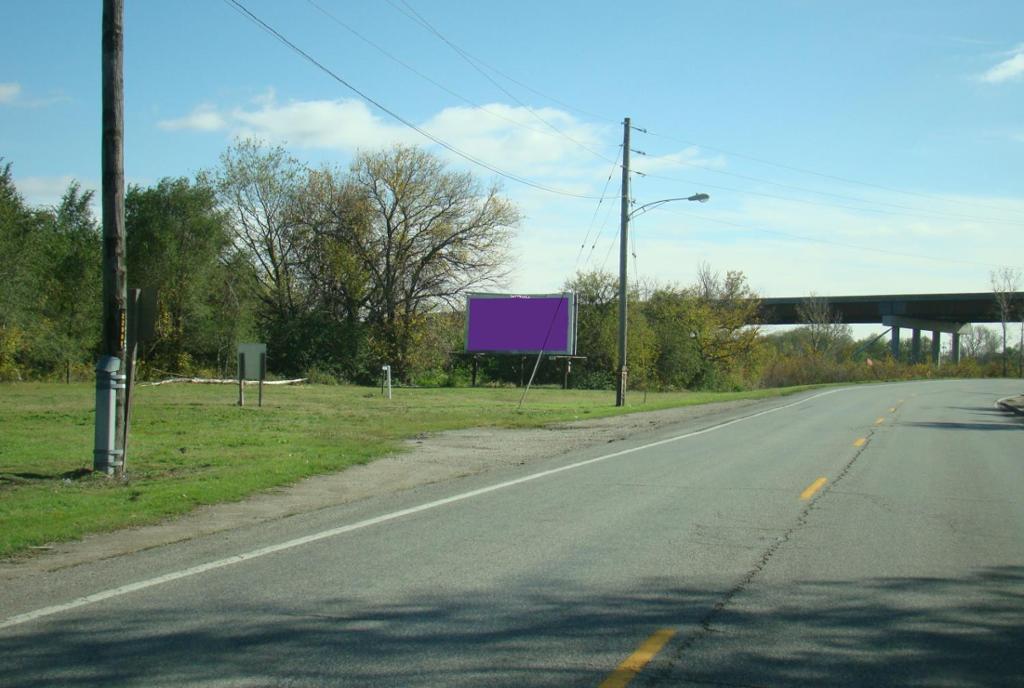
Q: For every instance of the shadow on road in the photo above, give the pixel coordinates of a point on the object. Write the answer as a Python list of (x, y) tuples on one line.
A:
[(894, 631)]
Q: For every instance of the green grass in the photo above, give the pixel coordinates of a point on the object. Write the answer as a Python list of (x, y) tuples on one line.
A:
[(191, 444)]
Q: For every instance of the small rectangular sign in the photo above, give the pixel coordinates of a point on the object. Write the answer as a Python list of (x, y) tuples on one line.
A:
[(254, 354)]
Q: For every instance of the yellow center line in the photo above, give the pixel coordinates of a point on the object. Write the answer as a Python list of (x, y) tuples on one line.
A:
[(812, 488), (879, 421), (635, 663), (892, 410), (860, 441)]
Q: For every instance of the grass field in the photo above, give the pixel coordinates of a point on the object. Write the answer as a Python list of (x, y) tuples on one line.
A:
[(192, 445)]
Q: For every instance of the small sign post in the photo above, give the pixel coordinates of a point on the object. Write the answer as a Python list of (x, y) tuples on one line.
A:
[(252, 365)]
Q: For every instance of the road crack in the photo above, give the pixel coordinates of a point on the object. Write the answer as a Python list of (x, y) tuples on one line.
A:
[(707, 621)]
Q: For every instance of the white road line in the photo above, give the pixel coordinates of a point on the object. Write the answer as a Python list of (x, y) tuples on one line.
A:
[(341, 530)]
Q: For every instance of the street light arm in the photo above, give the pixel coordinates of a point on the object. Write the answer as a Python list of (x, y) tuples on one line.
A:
[(699, 197)]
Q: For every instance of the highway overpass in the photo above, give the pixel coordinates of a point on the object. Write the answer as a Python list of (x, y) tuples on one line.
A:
[(938, 313)]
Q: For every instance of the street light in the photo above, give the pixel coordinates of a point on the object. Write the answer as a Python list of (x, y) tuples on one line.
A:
[(627, 214)]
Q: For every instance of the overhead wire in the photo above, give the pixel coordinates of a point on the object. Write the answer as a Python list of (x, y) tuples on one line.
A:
[(842, 244), (915, 212), (824, 175), (593, 218), (242, 9), (880, 211), (505, 76), (382, 50), (471, 61)]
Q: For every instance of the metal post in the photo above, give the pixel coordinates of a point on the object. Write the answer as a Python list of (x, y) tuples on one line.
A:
[(241, 379), (110, 407), (956, 348), (135, 296), (915, 346), (387, 379), (620, 389), (894, 343), (263, 376), (936, 346)]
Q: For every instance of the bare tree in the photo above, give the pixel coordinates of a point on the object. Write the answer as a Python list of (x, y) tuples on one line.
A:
[(1005, 284), (257, 185), (981, 343), (432, 236), (825, 327)]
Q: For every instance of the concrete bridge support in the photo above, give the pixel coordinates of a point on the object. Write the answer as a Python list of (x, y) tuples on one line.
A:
[(937, 327)]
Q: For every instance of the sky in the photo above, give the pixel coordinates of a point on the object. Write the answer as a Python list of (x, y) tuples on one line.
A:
[(847, 147)]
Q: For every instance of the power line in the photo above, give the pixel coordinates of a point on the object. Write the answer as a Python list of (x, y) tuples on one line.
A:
[(824, 175), (857, 247), (425, 77), (505, 76), (593, 218), (918, 214), (471, 61), (855, 199), (242, 9)]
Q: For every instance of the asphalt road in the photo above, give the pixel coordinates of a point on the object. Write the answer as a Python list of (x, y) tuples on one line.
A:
[(856, 537)]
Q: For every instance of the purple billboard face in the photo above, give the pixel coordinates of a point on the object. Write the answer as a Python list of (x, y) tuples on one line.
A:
[(527, 323)]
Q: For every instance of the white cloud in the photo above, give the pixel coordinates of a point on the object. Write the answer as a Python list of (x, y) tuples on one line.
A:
[(9, 92), (515, 139), (203, 118), (1011, 68)]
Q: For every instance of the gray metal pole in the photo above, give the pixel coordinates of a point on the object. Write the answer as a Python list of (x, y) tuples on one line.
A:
[(620, 390), (936, 346), (110, 407)]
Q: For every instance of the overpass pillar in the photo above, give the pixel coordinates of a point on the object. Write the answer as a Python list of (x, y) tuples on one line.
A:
[(936, 346), (915, 346), (894, 342), (956, 347)]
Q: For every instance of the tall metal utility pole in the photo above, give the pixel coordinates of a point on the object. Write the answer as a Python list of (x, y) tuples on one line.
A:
[(109, 444), (620, 389)]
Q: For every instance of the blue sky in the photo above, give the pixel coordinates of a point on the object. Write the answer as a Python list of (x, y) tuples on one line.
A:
[(848, 147)]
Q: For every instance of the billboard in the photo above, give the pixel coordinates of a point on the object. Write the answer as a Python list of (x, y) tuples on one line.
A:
[(521, 323)]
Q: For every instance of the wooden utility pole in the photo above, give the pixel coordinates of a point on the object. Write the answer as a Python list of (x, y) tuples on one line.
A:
[(620, 389), (110, 396)]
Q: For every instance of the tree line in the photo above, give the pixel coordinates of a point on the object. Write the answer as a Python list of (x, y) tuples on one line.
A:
[(342, 270)]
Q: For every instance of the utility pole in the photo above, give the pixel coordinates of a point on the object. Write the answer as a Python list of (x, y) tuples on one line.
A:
[(620, 389), (109, 445)]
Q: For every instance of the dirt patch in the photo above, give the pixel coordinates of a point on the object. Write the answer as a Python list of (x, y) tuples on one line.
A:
[(427, 459)]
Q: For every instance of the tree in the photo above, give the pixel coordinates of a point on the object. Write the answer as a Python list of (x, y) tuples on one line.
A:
[(981, 343), (1005, 284), (723, 323), (179, 243), (20, 260), (597, 295), (432, 236), (71, 296), (256, 186), (825, 329)]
